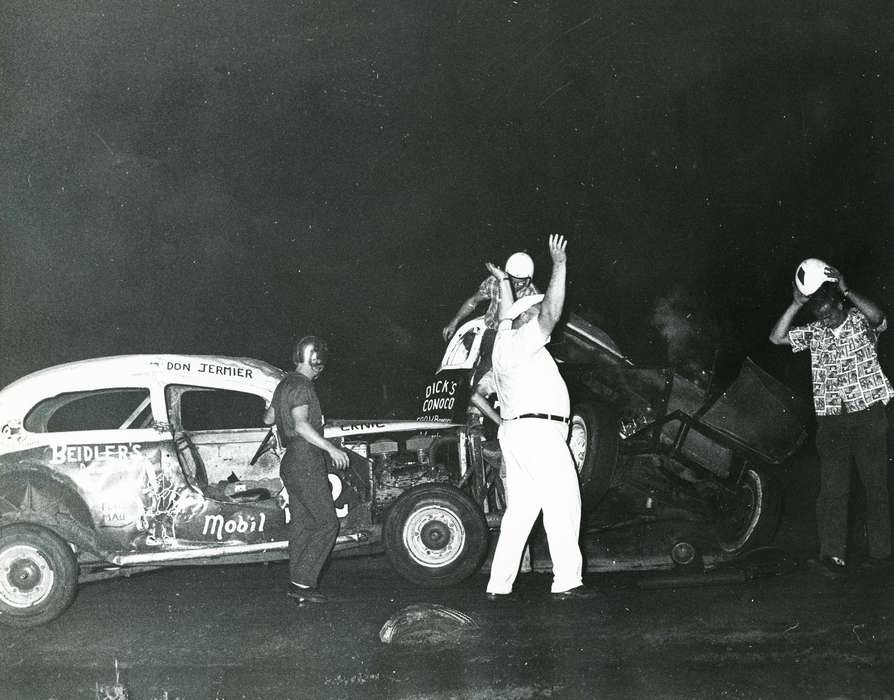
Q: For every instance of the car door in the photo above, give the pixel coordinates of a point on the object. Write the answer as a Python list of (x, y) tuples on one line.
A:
[(110, 443)]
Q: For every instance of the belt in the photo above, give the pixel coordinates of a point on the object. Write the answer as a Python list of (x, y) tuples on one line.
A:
[(544, 416)]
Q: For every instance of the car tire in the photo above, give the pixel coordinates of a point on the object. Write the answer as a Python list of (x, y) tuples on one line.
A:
[(750, 515), (38, 575), (435, 535), (593, 440)]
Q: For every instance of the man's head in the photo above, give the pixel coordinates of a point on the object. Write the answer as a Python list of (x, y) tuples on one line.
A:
[(827, 305), (525, 309), (310, 356), (520, 269)]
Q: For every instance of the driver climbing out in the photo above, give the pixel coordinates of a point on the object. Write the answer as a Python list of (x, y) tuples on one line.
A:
[(313, 525), (520, 271)]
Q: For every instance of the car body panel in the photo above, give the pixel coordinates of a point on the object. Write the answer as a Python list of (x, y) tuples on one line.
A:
[(158, 492)]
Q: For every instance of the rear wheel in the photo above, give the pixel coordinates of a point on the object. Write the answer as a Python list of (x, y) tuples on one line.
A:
[(435, 535), (38, 575), (593, 441), (750, 514)]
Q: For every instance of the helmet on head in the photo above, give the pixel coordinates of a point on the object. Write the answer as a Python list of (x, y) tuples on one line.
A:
[(810, 275), (520, 265), (311, 349)]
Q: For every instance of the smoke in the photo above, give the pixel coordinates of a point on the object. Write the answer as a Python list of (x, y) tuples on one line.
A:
[(689, 334)]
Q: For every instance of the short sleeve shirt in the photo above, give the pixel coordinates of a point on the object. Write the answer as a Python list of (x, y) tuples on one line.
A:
[(295, 390), (525, 374), (846, 371), (490, 289)]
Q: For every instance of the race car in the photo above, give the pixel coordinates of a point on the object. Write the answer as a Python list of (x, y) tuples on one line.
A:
[(123, 464), (675, 470)]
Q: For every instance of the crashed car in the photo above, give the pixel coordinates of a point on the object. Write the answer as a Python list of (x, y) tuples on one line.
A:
[(674, 471), (123, 464), (117, 465)]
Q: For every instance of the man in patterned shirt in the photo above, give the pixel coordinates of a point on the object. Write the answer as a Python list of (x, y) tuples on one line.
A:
[(850, 392), (520, 269)]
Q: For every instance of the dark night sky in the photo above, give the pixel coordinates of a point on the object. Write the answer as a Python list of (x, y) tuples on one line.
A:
[(219, 177)]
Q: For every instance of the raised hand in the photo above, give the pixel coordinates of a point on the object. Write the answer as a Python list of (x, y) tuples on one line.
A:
[(835, 276), (495, 271), (798, 296), (557, 246)]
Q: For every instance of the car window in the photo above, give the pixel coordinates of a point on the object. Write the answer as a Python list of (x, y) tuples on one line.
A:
[(216, 409), (104, 409), (459, 352)]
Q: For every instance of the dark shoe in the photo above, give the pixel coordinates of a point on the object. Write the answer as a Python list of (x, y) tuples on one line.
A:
[(875, 564), (579, 593), (500, 597), (305, 595), (834, 566)]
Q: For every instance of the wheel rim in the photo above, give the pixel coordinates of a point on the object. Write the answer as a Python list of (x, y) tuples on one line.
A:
[(748, 508), (434, 536), (26, 576), (577, 442)]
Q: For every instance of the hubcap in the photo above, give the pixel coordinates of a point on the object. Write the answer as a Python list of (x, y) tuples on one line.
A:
[(577, 441), (748, 509), (26, 577), (434, 536)]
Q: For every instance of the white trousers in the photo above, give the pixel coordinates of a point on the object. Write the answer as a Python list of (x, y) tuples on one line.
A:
[(540, 475)]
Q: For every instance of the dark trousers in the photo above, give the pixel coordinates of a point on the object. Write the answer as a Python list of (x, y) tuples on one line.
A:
[(860, 436), (313, 524)]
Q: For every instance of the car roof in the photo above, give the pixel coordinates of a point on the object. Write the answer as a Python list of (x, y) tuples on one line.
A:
[(130, 370)]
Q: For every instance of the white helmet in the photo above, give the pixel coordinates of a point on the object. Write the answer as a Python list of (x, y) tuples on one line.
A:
[(520, 265), (810, 275)]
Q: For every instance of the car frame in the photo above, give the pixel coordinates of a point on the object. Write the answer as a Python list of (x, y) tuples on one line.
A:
[(688, 461)]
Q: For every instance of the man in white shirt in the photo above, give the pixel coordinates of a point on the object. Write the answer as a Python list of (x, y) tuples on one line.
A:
[(535, 409)]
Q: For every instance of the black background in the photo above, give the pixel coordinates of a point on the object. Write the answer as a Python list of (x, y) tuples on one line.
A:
[(220, 177)]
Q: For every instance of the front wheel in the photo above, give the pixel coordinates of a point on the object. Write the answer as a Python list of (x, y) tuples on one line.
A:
[(593, 441), (750, 513), (38, 575), (435, 535)]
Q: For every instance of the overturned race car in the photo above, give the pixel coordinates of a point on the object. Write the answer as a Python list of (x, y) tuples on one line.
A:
[(675, 471)]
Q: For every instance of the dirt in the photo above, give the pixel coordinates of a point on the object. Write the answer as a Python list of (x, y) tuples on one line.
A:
[(230, 632)]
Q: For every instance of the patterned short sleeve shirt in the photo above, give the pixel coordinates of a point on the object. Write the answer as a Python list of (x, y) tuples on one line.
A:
[(490, 289), (845, 366)]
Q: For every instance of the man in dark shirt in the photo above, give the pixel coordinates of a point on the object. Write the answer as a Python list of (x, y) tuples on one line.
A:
[(313, 525)]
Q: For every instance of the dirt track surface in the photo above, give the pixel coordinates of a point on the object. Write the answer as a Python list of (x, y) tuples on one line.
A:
[(230, 632)]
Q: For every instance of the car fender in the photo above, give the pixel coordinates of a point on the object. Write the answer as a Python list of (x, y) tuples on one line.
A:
[(32, 493)]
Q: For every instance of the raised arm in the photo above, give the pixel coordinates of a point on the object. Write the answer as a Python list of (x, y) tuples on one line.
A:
[(467, 307), (779, 334), (554, 299), (870, 309)]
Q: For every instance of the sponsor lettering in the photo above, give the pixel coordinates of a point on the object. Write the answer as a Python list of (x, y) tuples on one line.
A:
[(440, 386), (360, 427), (438, 404), (217, 526), (62, 454), (334, 484), (211, 368)]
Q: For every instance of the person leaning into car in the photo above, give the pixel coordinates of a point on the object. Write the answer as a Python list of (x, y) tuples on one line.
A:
[(534, 405), (520, 271), (849, 394), (313, 524)]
